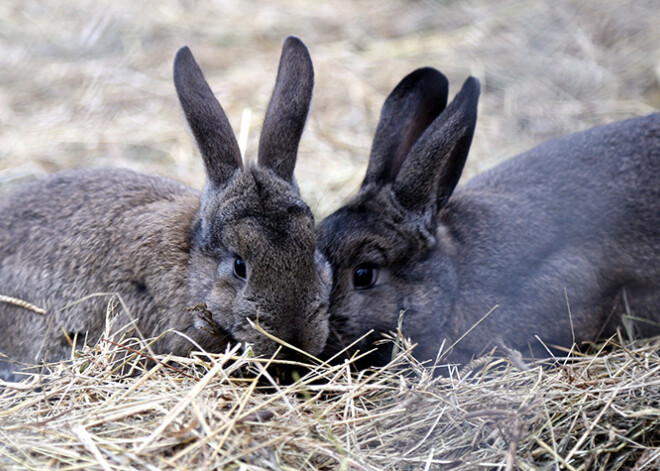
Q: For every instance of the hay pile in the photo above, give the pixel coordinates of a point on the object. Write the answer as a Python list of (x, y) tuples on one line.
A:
[(599, 411)]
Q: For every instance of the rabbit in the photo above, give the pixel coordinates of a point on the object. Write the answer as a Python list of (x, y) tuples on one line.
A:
[(244, 248), (561, 242)]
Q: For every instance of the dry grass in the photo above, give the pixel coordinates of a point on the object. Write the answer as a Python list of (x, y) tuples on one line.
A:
[(599, 411), (85, 83)]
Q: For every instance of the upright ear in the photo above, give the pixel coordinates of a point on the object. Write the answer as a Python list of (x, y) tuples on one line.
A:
[(434, 165), (413, 104), (210, 127), (287, 111)]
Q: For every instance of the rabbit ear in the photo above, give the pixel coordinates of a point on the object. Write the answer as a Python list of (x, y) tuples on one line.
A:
[(413, 104), (287, 111), (434, 165), (206, 118)]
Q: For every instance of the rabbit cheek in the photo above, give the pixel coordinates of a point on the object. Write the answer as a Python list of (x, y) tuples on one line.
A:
[(362, 309), (214, 285)]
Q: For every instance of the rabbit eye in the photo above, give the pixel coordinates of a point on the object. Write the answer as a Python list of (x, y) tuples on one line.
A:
[(365, 276), (240, 268)]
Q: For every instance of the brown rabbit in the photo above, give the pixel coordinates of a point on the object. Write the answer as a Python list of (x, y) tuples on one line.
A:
[(559, 242), (244, 247)]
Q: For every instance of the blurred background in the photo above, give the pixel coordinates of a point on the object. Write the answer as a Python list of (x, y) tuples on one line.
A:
[(87, 83)]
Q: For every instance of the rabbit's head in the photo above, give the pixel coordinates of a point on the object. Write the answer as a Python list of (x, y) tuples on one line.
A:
[(253, 257), (379, 243)]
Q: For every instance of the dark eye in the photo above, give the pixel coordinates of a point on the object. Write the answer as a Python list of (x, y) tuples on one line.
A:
[(240, 268), (365, 276)]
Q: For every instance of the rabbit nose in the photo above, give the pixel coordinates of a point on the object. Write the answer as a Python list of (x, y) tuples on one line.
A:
[(299, 339), (290, 354), (295, 339)]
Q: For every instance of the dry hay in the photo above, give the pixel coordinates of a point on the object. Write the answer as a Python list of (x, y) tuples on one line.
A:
[(87, 83), (596, 411)]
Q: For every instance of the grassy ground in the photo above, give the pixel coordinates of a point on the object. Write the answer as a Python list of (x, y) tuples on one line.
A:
[(599, 411), (86, 83)]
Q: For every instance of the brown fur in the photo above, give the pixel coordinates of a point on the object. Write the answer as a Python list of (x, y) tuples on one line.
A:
[(163, 247)]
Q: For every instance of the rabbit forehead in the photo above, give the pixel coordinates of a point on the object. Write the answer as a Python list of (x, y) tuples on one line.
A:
[(273, 235), (371, 228), (258, 211)]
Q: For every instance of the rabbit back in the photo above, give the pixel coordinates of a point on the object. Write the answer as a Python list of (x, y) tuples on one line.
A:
[(71, 241), (563, 239)]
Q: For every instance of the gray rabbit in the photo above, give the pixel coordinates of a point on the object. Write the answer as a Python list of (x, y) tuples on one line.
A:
[(558, 242), (244, 247)]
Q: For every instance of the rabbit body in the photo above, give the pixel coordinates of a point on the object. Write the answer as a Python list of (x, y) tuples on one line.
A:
[(243, 249), (558, 242), (109, 250), (573, 239)]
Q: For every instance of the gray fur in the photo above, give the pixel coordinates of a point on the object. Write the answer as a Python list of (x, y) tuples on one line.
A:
[(164, 247), (573, 222)]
